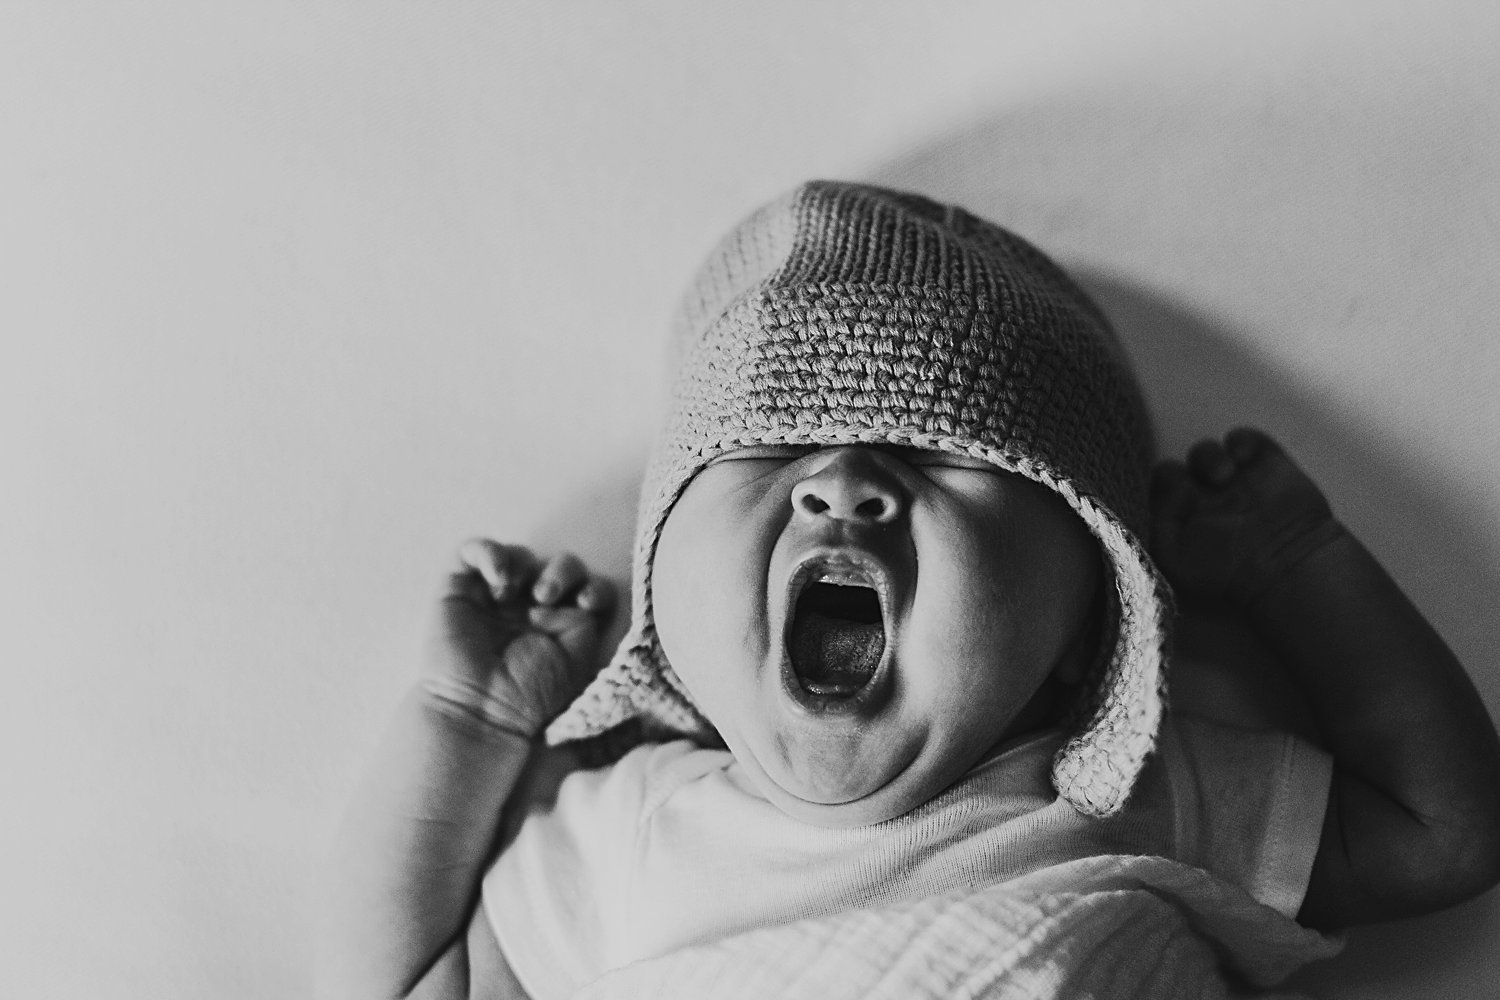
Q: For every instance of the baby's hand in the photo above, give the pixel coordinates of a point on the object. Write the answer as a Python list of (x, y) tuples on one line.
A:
[(516, 638), (1234, 518)]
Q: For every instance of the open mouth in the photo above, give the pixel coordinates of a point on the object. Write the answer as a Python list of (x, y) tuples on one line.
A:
[(837, 635)]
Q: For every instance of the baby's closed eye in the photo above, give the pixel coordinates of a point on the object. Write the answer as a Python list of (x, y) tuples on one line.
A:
[(766, 453), (917, 457)]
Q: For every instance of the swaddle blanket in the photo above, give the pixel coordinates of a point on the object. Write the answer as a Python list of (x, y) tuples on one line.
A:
[(1111, 926)]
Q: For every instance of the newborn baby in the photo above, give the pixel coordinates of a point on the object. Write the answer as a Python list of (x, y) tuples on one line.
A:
[(889, 717)]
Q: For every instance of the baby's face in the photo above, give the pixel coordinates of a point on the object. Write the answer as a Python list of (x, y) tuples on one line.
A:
[(862, 624)]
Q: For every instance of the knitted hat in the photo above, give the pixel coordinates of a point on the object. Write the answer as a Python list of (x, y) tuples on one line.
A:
[(842, 313)]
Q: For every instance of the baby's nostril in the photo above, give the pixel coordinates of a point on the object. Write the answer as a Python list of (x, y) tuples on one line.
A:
[(871, 508), (812, 504)]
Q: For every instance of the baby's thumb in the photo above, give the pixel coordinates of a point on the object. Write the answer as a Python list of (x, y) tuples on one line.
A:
[(576, 631)]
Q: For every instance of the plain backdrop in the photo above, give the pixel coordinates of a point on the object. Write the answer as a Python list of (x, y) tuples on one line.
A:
[(295, 296)]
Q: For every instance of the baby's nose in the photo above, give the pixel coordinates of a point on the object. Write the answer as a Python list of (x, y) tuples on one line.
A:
[(852, 486)]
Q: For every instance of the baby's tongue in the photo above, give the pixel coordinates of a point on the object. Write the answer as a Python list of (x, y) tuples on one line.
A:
[(834, 656)]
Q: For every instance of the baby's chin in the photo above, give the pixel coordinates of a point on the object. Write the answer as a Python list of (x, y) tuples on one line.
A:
[(833, 786)]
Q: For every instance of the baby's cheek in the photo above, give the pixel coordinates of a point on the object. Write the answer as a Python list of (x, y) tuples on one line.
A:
[(675, 578), (699, 602)]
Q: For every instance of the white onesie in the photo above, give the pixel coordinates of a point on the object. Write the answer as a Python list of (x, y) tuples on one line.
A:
[(672, 847)]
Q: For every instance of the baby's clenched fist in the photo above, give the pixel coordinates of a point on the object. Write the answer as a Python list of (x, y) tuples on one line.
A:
[(1235, 517), (516, 637)]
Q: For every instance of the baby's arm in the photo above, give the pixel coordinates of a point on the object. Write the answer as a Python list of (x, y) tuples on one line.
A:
[(1413, 820), (513, 642)]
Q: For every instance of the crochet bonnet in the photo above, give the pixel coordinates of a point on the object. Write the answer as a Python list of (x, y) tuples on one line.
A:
[(843, 313)]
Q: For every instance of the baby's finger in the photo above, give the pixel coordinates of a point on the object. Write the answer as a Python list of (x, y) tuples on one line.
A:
[(1210, 464), (597, 596), (563, 574), (469, 586), (507, 569), (1246, 443), (555, 621), (576, 631)]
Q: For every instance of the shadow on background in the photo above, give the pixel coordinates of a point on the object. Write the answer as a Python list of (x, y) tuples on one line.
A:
[(1101, 179), (1200, 381)]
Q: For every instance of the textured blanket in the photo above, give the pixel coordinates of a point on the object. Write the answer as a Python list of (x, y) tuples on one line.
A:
[(1114, 926)]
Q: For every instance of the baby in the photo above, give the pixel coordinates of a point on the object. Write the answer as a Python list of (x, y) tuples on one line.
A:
[(889, 719)]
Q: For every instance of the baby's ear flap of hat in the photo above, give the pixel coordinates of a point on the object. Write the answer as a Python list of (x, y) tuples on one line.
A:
[(639, 687), (1096, 769)]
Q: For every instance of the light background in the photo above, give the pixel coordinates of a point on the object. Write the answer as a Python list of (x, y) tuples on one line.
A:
[(296, 296)]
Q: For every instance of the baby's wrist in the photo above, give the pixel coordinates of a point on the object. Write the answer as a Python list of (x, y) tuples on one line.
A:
[(477, 708), (1286, 551)]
